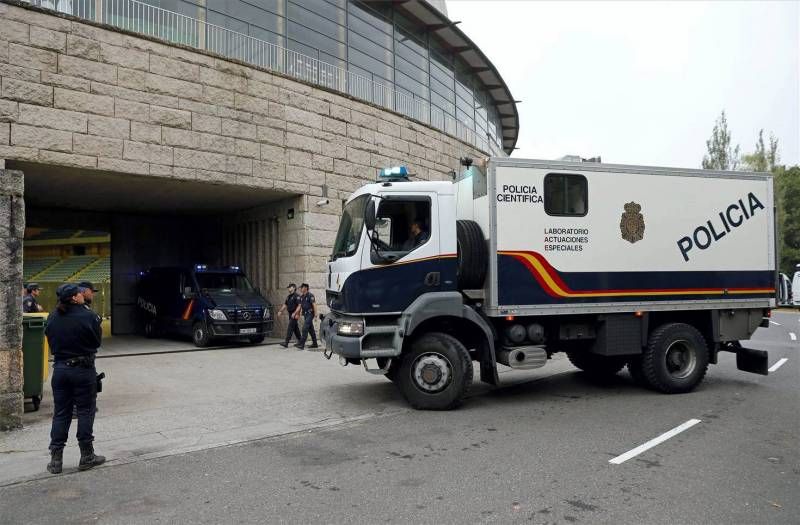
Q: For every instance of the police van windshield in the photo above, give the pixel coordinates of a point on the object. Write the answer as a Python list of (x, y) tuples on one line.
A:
[(349, 235), (223, 282)]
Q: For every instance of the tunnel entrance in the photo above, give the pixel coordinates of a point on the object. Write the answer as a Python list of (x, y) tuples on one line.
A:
[(109, 227)]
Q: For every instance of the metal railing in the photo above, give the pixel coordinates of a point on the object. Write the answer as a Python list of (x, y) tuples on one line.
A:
[(146, 19)]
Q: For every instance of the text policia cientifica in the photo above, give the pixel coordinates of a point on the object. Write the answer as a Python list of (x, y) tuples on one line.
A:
[(523, 193), (718, 227)]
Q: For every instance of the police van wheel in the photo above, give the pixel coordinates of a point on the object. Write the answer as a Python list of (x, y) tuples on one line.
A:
[(200, 335), (150, 330), (675, 359), (596, 365), (472, 255), (436, 373), (256, 339)]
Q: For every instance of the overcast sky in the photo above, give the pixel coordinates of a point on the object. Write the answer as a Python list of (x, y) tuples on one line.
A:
[(642, 82)]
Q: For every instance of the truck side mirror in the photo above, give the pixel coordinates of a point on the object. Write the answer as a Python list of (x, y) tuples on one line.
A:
[(370, 215)]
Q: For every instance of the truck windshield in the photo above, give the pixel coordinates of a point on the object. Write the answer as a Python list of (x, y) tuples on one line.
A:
[(349, 234), (224, 282)]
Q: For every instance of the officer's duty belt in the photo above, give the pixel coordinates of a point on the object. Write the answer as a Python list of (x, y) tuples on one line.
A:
[(82, 361)]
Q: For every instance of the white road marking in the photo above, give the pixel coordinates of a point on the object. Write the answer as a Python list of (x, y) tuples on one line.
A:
[(792, 336), (653, 442), (777, 365), (776, 324)]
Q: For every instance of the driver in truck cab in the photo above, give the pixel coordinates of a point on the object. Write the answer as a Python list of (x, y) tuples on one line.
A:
[(416, 235)]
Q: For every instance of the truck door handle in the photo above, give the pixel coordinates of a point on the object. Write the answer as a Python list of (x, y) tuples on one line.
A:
[(432, 279)]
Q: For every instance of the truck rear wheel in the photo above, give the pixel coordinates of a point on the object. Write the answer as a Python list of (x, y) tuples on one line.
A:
[(675, 359), (472, 255), (596, 365), (436, 373)]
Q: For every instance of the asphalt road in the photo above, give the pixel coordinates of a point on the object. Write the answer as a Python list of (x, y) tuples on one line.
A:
[(533, 451)]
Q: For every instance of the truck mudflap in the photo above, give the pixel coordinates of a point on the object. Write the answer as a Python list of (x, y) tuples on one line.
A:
[(753, 361), (747, 359)]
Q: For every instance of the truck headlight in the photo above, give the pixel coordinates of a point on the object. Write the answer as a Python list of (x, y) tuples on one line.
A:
[(267, 314), (350, 328), (217, 315)]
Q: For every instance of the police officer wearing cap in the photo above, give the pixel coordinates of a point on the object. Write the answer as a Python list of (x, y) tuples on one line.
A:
[(307, 310), (30, 304), (290, 305), (74, 335), (88, 290)]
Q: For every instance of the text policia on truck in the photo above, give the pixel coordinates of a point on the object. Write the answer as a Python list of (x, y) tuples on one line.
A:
[(655, 269)]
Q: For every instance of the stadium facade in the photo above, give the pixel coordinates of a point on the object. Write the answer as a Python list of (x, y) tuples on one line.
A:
[(228, 132)]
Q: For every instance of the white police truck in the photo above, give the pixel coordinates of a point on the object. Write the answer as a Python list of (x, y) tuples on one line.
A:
[(656, 269)]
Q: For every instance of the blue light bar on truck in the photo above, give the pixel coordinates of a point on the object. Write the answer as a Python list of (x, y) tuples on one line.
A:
[(395, 173)]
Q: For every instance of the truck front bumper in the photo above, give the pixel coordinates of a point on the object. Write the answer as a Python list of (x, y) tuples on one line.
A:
[(377, 341)]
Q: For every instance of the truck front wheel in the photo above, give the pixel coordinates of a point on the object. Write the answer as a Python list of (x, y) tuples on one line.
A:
[(675, 359), (436, 373)]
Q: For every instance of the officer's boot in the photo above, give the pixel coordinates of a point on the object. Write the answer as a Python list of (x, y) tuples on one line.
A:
[(56, 461), (88, 458)]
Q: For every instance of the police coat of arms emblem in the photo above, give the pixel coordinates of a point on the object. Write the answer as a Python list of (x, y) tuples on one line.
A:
[(632, 223)]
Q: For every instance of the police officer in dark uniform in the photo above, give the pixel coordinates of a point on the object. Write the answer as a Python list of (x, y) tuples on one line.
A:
[(30, 304), (307, 309), (290, 305), (88, 290), (74, 335)]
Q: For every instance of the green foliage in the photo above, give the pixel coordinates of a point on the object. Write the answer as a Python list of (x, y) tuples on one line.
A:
[(721, 156), (763, 158), (787, 200)]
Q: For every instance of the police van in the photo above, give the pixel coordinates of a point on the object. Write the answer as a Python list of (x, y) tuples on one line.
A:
[(654, 269), (204, 303)]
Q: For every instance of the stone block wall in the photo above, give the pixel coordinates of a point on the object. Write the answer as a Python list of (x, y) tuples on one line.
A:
[(76, 94), (12, 229)]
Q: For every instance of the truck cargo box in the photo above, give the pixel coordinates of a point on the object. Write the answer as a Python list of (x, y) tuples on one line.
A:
[(593, 238)]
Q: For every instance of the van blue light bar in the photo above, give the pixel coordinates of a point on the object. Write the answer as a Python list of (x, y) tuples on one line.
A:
[(201, 267), (394, 173)]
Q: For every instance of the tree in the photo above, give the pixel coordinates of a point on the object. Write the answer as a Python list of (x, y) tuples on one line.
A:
[(720, 155), (763, 159), (787, 200)]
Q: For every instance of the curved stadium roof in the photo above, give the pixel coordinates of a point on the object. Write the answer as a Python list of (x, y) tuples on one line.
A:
[(460, 44)]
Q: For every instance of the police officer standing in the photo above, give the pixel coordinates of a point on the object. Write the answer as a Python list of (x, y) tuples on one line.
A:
[(88, 290), (307, 309), (290, 305), (73, 333), (30, 303)]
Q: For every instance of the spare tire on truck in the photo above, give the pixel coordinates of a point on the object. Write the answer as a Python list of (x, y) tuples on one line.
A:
[(472, 255)]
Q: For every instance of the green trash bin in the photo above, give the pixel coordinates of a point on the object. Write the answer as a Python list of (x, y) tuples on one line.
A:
[(34, 357)]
